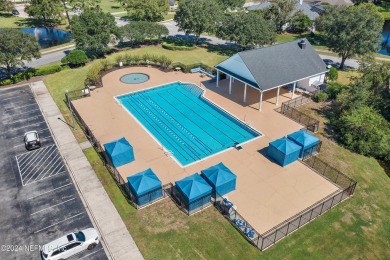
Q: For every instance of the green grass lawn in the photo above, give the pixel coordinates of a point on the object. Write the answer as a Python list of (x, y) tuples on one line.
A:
[(358, 228), (111, 6), (168, 16), (11, 21)]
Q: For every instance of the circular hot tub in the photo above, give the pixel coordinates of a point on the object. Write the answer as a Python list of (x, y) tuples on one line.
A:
[(134, 78)]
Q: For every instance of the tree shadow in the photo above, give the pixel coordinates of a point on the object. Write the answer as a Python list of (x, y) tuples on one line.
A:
[(5, 15), (226, 49), (328, 112)]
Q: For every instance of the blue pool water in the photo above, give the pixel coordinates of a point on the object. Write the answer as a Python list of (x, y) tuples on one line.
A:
[(135, 78), (184, 122)]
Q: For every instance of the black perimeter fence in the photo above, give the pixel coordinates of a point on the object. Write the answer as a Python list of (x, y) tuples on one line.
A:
[(261, 241), (288, 109), (122, 184)]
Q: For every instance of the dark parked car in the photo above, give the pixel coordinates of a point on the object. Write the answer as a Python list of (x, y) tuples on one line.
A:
[(15, 12), (31, 140)]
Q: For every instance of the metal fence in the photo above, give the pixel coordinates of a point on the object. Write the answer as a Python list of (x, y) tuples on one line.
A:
[(312, 151), (270, 237), (310, 123), (77, 94), (122, 184)]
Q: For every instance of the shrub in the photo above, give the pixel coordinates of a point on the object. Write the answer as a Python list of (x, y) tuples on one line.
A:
[(333, 89), (47, 70), (75, 58), (332, 74), (321, 97), (6, 82), (106, 64), (173, 47), (93, 75), (119, 58)]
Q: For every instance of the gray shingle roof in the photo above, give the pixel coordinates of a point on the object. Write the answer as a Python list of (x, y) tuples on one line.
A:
[(278, 65), (305, 8)]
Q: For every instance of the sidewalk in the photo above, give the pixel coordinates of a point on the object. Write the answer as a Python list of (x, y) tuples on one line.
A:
[(116, 239)]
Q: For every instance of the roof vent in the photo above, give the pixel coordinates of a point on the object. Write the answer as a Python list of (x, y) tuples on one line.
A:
[(302, 44)]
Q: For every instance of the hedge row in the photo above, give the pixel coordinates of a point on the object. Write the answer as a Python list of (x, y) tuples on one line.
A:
[(27, 74), (174, 47)]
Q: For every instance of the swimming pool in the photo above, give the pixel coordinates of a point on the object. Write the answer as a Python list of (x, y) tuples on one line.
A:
[(184, 122), (134, 78)]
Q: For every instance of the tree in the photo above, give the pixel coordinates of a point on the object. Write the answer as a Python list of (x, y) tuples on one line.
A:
[(77, 5), (247, 29), (92, 30), (197, 17), (140, 31), (281, 12), (6, 6), (75, 58), (231, 4), (48, 11), (146, 10), (301, 22), (351, 31), (365, 131), (15, 48), (332, 74)]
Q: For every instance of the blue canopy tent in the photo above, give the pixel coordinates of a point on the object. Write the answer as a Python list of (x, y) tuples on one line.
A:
[(307, 142), (284, 151), (220, 178), (145, 186), (195, 191), (120, 152)]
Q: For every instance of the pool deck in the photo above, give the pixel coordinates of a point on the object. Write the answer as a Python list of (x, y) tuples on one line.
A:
[(266, 193)]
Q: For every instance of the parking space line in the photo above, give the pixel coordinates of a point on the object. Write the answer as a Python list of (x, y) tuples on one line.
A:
[(60, 163), (51, 165), (59, 222), (21, 136), (14, 129), (11, 93), (92, 253), (35, 153), (44, 138), (49, 191), (21, 120), (14, 103), (56, 173), (38, 163), (9, 109), (53, 206), (10, 98)]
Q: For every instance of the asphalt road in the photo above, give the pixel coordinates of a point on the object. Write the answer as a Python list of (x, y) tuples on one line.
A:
[(173, 31), (39, 201)]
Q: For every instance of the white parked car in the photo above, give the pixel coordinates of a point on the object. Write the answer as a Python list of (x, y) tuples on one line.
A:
[(31, 140), (70, 244)]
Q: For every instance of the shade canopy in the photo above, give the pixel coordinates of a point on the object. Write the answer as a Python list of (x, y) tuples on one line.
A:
[(221, 178), (193, 187), (120, 152), (284, 151), (303, 139), (145, 186)]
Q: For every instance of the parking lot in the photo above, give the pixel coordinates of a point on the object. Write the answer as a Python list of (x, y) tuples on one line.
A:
[(39, 201)]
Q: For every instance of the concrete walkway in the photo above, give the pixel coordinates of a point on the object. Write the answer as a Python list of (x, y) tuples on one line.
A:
[(117, 241)]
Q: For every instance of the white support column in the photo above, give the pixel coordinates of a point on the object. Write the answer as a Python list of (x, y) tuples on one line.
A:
[(293, 92), (277, 96), (217, 78), (230, 85), (245, 93), (261, 100)]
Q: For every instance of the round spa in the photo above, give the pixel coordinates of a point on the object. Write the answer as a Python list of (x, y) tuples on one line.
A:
[(134, 78)]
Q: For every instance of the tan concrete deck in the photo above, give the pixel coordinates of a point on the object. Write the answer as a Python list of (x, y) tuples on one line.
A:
[(266, 194)]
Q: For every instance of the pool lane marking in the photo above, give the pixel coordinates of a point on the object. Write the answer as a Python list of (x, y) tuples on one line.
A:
[(58, 222), (43, 193), (53, 206)]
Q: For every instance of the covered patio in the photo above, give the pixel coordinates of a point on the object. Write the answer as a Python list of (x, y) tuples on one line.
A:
[(292, 65)]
